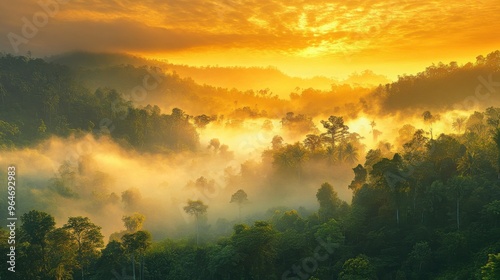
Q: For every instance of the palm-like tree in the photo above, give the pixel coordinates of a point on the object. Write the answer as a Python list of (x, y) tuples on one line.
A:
[(458, 124), (350, 153), (196, 208), (331, 155)]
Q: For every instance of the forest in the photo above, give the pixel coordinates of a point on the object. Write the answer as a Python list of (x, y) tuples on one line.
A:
[(138, 172)]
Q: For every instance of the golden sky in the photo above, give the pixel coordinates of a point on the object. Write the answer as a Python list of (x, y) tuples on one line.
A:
[(331, 38)]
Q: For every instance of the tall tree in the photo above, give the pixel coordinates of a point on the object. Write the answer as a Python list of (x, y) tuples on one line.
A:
[(239, 197), (458, 124), (137, 243), (388, 174), (62, 251), (430, 119), (37, 225), (313, 142), (329, 202), (196, 208), (133, 222), (88, 237), (291, 158), (360, 175), (277, 142), (349, 153), (459, 187), (336, 130), (420, 255)]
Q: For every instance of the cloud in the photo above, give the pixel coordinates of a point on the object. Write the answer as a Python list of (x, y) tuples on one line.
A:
[(374, 31)]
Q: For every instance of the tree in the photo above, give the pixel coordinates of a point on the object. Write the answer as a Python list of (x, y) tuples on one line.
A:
[(329, 202), (62, 254), (133, 222), (37, 225), (196, 209), (496, 139), (358, 268), (459, 187), (111, 261), (277, 142), (313, 142), (202, 121), (458, 124), (291, 158), (349, 153), (476, 123), (493, 117), (388, 175), (336, 130), (420, 255), (137, 243), (255, 247), (430, 119), (491, 270), (88, 238), (239, 197), (330, 233), (360, 175)]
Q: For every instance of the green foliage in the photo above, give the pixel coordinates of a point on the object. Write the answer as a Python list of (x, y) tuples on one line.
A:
[(37, 225), (88, 238), (491, 270), (133, 222), (48, 99), (359, 268), (331, 233), (329, 203)]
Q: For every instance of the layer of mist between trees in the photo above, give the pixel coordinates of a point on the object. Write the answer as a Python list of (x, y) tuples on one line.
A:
[(428, 211)]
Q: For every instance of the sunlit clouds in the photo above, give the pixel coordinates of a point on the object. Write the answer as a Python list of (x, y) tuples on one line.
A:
[(300, 37)]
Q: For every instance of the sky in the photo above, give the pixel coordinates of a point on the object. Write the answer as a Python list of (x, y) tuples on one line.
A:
[(301, 38)]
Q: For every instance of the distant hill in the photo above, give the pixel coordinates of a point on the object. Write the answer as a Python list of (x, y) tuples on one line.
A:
[(439, 87), (268, 79), (472, 86)]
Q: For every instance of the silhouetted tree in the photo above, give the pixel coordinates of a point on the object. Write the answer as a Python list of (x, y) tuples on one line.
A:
[(88, 238), (239, 197), (336, 130), (196, 209)]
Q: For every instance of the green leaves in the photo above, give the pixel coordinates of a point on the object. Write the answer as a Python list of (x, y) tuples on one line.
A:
[(329, 202), (358, 268), (196, 208), (491, 270), (137, 242), (37, 225)]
